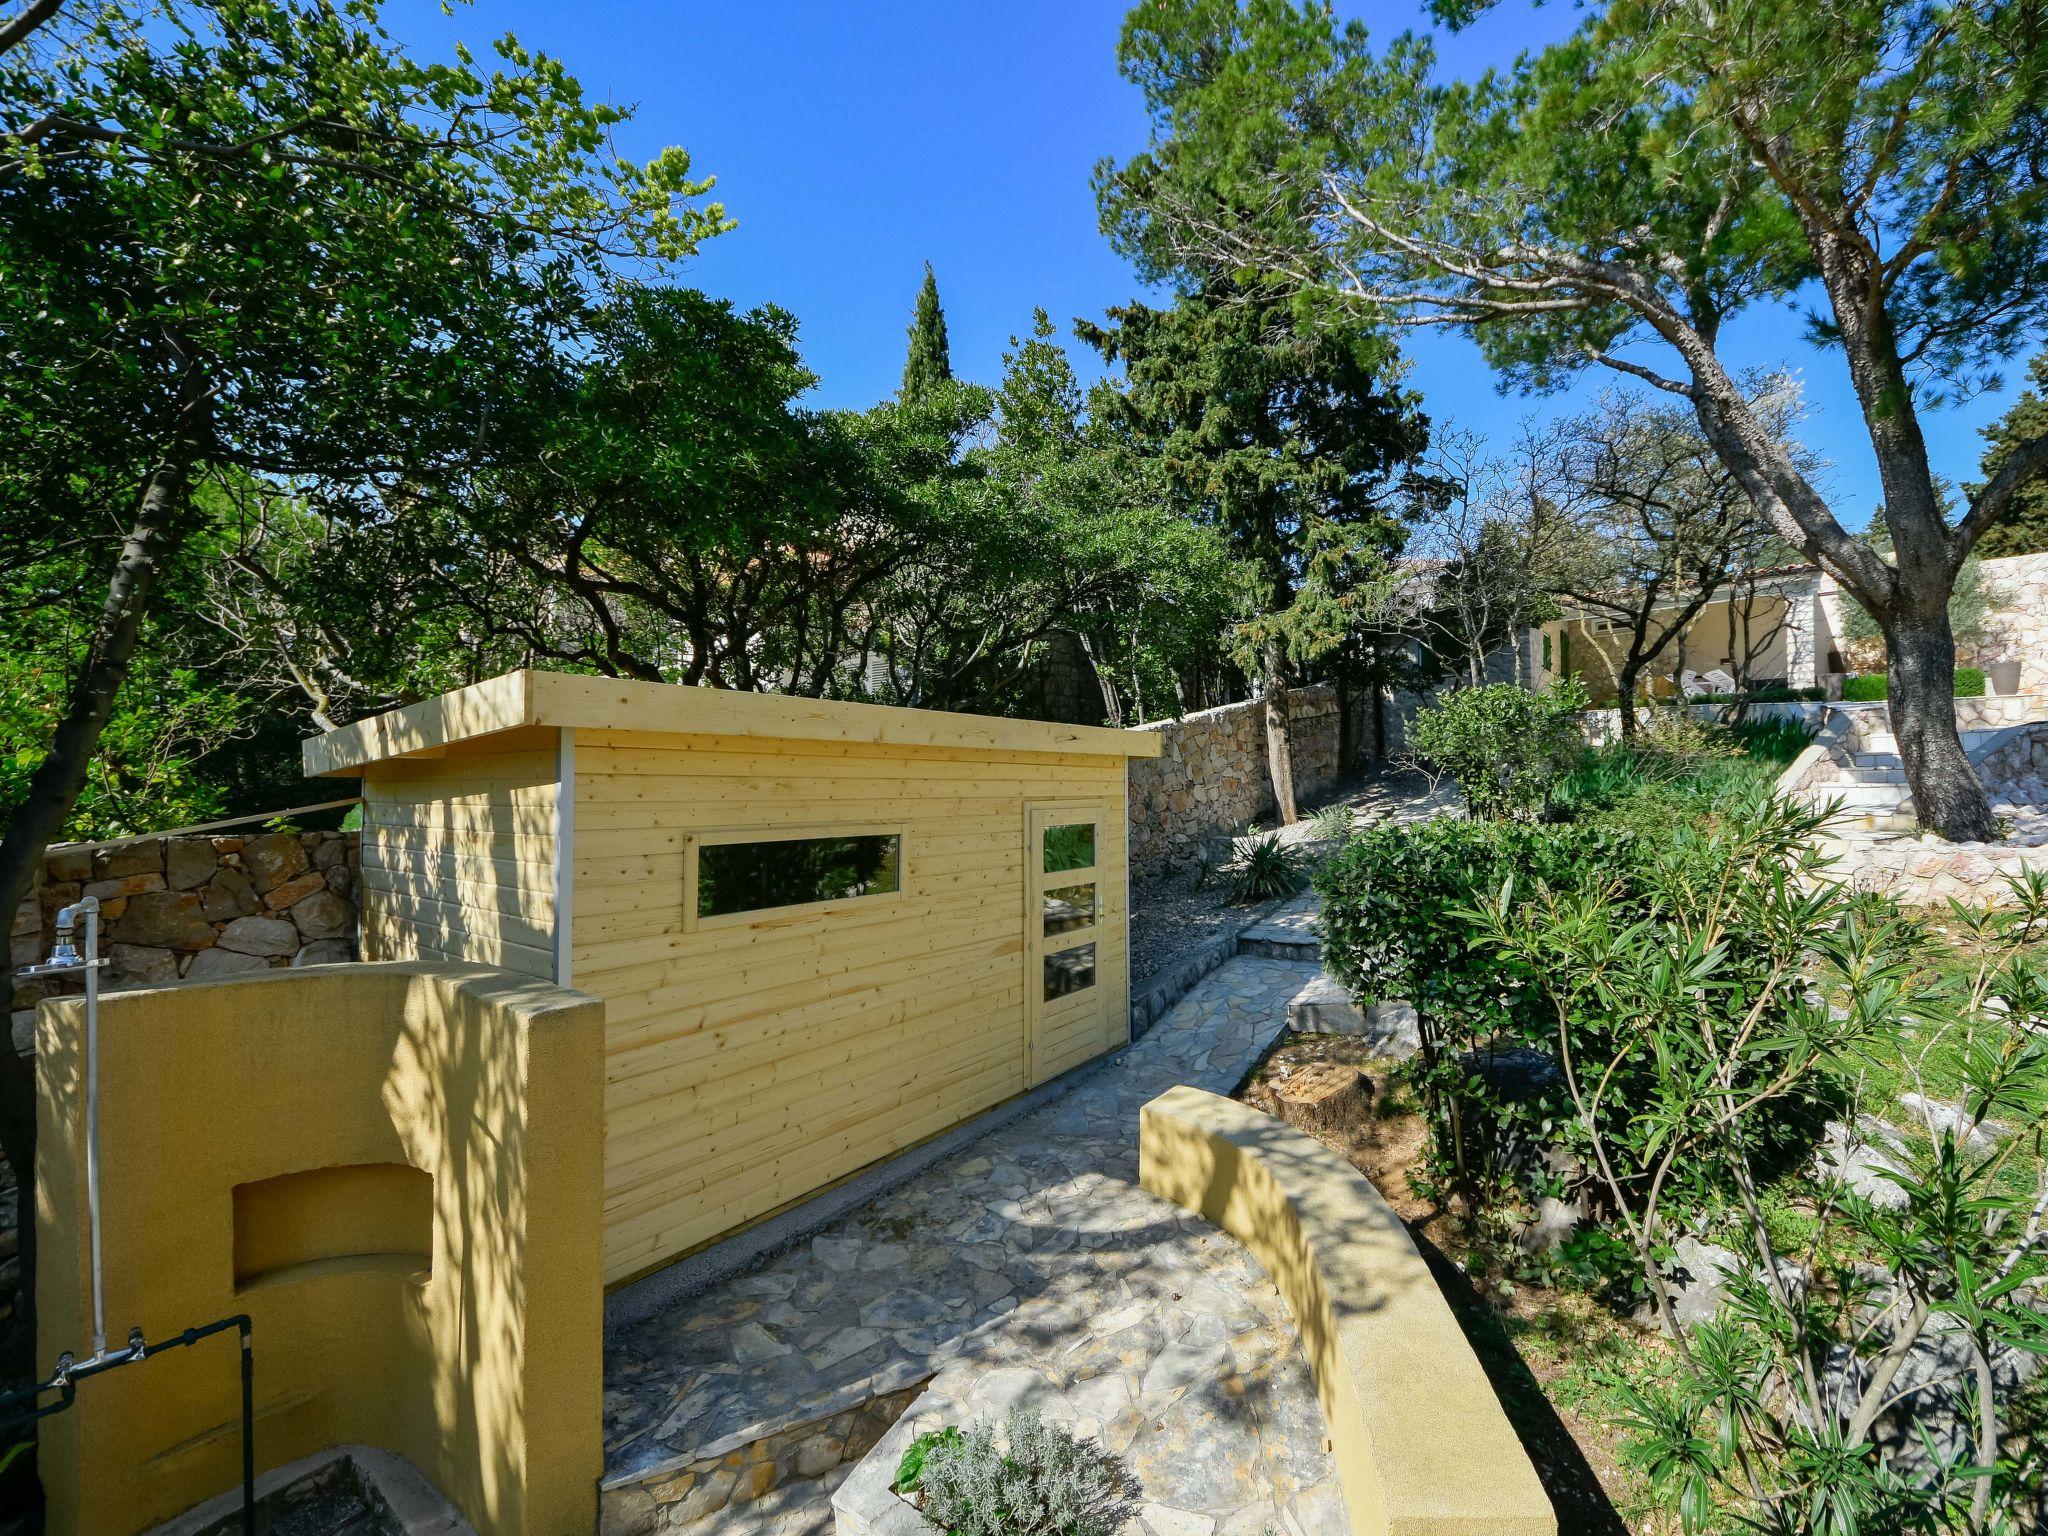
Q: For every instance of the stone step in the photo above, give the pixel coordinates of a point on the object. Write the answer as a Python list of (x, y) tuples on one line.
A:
[(1876, 822), (1287, 933), (1863, 797), (1323, 1007)]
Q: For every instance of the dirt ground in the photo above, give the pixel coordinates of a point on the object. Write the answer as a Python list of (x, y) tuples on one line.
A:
[(1536, 1344)]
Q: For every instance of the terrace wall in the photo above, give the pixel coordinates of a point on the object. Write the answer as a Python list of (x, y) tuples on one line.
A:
[(197, 907), (1210, 777)]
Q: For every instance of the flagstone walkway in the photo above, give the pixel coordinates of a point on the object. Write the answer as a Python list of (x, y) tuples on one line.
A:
[(1031, 1251)]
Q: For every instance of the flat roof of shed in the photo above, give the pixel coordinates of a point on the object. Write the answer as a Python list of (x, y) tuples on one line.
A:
[(564, 700)]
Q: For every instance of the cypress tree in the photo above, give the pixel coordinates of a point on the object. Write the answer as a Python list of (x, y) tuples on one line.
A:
[(930, 361)]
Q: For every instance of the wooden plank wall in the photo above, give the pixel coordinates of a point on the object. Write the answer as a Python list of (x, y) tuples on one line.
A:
[(458, 856), (749, 1065)]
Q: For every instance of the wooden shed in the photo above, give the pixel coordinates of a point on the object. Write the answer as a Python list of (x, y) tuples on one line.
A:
[(822, 931)]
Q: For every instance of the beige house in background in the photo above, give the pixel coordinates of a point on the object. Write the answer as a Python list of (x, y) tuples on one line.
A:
[(1788, 625)]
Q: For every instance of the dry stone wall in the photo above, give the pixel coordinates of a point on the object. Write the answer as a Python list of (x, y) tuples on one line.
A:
[(2018, 619), (1210, 778), (194, 907)]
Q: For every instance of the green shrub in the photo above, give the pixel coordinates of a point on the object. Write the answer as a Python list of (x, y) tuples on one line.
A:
[(1506, 747), (1046, 1483), (1264, 868), (1647, 785), (1876, 685), (1407, 912), (1399, 921), (1728, 1012)]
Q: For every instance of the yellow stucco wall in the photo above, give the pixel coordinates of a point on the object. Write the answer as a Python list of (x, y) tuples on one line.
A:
[(484, 1369), (1420, 1442)]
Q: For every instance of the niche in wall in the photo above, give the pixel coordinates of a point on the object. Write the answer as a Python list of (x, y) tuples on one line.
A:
[(357, 1216)]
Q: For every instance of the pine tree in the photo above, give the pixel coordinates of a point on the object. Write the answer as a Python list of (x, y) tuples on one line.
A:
[(2023, 529), (930, 361)]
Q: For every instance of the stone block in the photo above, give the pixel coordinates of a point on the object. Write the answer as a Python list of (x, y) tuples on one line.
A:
[(141, 965), (228, 895), (324, 915), (129, 859), (260, 936), (69, 864), (341, 880), (331, 853), (211, 964), (189, 862), (324, 952), (273, 859), (28, 917), (164, 920), (296, 889), (125, 885)]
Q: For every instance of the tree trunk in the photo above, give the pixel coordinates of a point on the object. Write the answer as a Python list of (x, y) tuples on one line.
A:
[(1279, 745), (1948, 797), (159, 528), (1625, 699)]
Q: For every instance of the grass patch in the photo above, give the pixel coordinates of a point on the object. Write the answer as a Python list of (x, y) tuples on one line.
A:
[(1679, 772)]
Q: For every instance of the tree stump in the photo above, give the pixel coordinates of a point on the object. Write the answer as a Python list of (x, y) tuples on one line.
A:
[(1323, 1098)]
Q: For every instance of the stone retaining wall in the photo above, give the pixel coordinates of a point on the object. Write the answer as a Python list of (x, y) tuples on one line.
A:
[(196, 906), (1926, 872), (1210, 777)]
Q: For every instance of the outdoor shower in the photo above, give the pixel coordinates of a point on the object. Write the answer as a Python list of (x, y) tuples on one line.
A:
[(25, 1405)]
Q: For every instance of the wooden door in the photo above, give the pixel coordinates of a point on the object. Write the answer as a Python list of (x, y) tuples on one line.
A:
[(1067, 908)]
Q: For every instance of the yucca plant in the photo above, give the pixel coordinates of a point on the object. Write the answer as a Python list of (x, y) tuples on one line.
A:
[(1333, 823), (1264, 868)]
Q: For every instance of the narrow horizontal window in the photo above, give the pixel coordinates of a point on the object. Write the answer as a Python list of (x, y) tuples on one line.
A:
[(1070, 847), (794, 872), (1071, 970), (1068, 907)]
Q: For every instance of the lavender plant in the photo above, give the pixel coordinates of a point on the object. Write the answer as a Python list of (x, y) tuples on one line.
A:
[(1047, 1482)]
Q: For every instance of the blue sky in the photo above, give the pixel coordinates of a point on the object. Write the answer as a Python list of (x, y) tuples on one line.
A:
[(855, 141)]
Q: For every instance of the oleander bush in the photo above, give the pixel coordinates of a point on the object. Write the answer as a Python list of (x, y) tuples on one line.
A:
[(1859, 1373), (1407, 913)]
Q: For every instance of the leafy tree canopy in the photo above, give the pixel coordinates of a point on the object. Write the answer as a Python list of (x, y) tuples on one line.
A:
[(1615, 199)]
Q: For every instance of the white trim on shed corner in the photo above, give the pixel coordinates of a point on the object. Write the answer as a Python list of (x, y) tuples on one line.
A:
[(565, 856)]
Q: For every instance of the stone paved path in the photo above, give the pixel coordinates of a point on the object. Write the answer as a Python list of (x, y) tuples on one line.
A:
[(1033, 1249)]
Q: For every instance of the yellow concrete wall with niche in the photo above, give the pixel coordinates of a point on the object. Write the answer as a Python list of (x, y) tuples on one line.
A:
[(348, 1083)]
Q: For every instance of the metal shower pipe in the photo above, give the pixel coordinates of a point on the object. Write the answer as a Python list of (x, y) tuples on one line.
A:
[(64, 959)]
